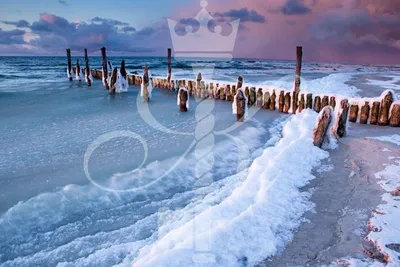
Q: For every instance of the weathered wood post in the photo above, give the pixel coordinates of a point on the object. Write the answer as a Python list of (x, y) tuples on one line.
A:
[(394, 119), (317, 104), (353, 113), (69, 67), (87, 69), (123, 82), (332, 102), (221, 92), (78, 71), (375, 113), (183, 98), (364, 114), (299, 58), (247, 94), (240, 105), (281, 101), (267, 100), (211, 91), (286, 106), (104, 67), (325, 101), (113, 81), (169, 66), (272, 104), (259, 97), (229, 96), (145, 93), (199, 78), (341, 120), (302, 103), (321, 129), (253, 96), (233, 91), (239, 83), (385, 109), (309, 103)]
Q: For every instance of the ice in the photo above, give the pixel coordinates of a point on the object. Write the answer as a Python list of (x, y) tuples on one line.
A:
[(394, 139)]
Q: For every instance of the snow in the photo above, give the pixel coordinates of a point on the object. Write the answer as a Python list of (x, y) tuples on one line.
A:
[(258, 217), (122, 84), (395, 139)]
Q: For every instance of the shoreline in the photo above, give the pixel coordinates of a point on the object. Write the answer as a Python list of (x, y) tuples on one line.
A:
[(344, 199)]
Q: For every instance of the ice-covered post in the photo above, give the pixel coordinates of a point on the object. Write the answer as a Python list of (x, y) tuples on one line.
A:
[(281, 101), (87, 69), (394, 119), (375, 112), (309, 103), (145, 85), (299, 58), (341, 119), (113, 81), (198, 88), (302, 103), (259, 97), (364, 114), (286, 105), (267, 100), (317, 104), (183, 100), (386, 102), (353, 113), (69, 67), (325, 101), (321, 128), (78, 71), (104, 67), (253, 96), (169, 66), (272, 104), (239, 101)]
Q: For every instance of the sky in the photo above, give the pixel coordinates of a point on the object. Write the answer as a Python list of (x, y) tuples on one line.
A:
[(354, 31)]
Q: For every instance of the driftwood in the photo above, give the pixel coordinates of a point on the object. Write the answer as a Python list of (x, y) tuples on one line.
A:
[(87, 69), (104, 67), (183, 97), (364, 114), (309, 101), (281, 101), (113, 80), (272, 104), (385, 108), (325, 101), (341, 124), (241, 106), (267, 100), (69, 62), (395, 116), (259, 97), (353, 113), (302, 103), (321, 129), (286, 106), (317, 104)]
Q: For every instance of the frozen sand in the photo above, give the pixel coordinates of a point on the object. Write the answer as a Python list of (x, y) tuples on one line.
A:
[(344, 198)]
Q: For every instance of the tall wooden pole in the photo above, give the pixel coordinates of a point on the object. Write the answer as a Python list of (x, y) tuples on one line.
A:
[(87, 69), (104, 67), (69, 64), (169, 65), (299, 58)]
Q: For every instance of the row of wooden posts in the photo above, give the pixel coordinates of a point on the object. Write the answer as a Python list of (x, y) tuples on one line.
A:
[(381, 111)]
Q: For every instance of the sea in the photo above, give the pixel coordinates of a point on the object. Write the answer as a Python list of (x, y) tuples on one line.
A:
[(89, 179)]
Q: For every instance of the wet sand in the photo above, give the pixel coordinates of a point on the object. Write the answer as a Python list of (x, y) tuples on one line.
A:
[(344, 198)]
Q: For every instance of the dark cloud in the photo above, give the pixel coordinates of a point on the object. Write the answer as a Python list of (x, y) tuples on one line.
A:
[(128, 29), (109, 21), (19, 24), (12, 37), (295, 7), (243, 14), (63, 2)]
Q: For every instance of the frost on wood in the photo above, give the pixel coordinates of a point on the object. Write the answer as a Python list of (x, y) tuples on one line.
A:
[(394, 119), (286, 105), (386, 102), (183, 99), (321, 128), (340, 127), (273, 101)]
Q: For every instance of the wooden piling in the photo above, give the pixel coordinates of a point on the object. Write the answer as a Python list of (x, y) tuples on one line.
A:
[(317, 104), (104, 67), (169, 65), (375, 113), (113, 80), (287, 103), (332, 102), (325, 101), (321, 129), (364, 114), (385, 108), (267, 100), (69, 67), (183, 97), (260, 97), (295, 103), (202, 91), (272, 104), (299, 57), (240, 105), (302, 103), (353, 113), (247, 93), (281, 101), (87, 69), (211, 91), (253, 96), (233, 91), (229, 96), (309, 103), (394, 119), (78, 70), (341, 124)]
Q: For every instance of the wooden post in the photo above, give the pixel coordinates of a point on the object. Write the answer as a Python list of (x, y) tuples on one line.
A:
[(302, 103), (241, 106), (272, 104), (267, 100), (309, 101), (69, 68), (341, 124), (253, 96), (323, 121), (87, 69), (332, 102), (104, 67), (325, 101), (375, 113), (287, 103), (169, 66), (247, 93), (233, 91), (78, 70), (385, 108), (113, 81), (229, 96), (202, 89), (353, 113), (299, 54), (259, 97), (281, 101), (295, 103), (394, 119), (183, 97), (211, 92), (364, 113), (199, 78), (317, 104)]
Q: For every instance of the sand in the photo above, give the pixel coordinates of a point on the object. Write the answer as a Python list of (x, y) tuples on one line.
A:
[(344, 198)]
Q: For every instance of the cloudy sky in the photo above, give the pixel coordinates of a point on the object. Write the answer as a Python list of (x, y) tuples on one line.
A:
[(358, 31)]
